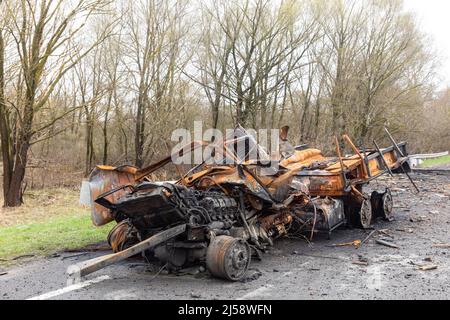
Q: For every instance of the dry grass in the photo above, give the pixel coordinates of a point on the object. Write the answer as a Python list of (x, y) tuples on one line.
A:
[(41, 205)]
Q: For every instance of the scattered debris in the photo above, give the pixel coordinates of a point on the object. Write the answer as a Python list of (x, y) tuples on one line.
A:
[(356, 243), (2, 273), (428, 259), (322, 257), (75, 255), (368, 237), (385, 232), (362, 261), (255, 275), (428, 267), (387, 244), (195, 295), (442, 246), (23, 257), (102, 246)]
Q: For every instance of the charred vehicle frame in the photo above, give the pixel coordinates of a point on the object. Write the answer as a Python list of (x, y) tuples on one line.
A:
[(222, 214)]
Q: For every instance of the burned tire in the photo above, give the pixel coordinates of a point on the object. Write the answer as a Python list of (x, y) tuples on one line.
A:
[(228, 258), (388, 206), (122, 236), (365, 214), (383, 205)]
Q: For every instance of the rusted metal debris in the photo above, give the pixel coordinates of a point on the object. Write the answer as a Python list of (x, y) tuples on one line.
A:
[(387, 244), (221, 215), (428, 267)]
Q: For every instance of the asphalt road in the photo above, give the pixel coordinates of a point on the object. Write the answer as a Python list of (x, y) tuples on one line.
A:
[(292, 270)]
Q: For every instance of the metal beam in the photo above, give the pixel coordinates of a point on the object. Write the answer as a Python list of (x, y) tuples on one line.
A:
[(87, 267)]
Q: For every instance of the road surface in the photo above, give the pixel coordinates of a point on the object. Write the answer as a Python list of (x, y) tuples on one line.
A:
[(291, 270)]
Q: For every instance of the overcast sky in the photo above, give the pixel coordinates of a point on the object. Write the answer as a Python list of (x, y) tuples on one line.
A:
[(434, 18)]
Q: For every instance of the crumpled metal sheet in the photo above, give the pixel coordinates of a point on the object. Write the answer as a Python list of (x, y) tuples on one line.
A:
[(104, 179)]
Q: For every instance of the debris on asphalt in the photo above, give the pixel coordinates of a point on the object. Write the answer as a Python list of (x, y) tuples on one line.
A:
[(442, 246), (368, 237), (253, 275), (75, 255), (102, 246), (195, 295), (2, 273), (387, 244), (361, 261), (356, 243), (428, 267), (385, 232), (23, 257)]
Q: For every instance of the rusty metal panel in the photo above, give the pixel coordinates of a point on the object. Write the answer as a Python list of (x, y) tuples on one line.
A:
[(102, 180)]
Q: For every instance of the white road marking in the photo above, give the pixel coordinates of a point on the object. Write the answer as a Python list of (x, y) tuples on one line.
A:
[(375, 279), (258, 292), (73, 287)]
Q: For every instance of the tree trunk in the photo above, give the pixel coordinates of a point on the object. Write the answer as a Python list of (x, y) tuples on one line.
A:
[(105, 131), (5, 130), (139, 135), (14, 196), (89, 142)]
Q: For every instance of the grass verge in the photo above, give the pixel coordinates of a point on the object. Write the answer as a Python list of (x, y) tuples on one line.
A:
[(49, 221), (436, 162)]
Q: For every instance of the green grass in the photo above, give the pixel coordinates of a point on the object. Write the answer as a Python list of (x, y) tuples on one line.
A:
[(55, 234), (435, 162)]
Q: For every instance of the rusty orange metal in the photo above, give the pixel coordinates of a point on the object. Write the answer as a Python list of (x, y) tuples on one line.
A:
[(219, 212)]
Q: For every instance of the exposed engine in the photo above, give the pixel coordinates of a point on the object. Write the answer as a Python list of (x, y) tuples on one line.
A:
[(209, 215)]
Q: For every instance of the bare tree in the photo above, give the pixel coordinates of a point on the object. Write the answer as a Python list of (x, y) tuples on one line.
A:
[(248, 55), (155, 31), (44, 33), (393, 62), (5, 130)]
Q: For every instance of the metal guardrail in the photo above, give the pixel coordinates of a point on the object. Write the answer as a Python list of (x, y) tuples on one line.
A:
[(416, 159)]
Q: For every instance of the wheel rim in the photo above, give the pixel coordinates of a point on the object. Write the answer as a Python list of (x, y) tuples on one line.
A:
[(237, 260), (388, 205), (365, 215), (228, 258)]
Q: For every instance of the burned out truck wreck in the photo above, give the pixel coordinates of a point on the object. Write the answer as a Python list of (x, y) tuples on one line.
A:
[(228, 210)]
